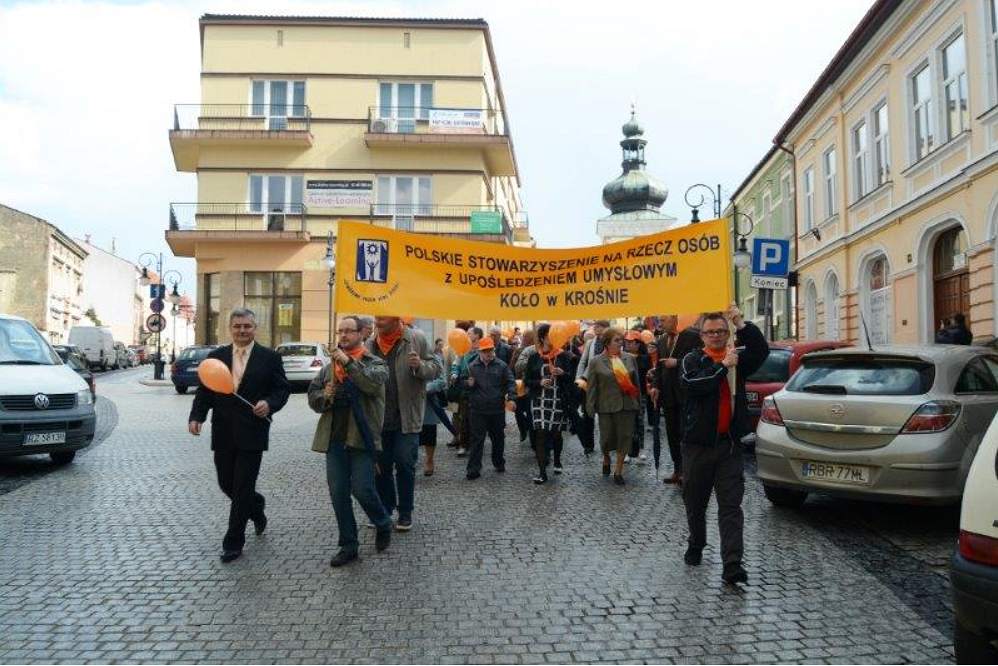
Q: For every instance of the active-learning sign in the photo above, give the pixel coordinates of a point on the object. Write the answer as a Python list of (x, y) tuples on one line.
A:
[(382, 271)]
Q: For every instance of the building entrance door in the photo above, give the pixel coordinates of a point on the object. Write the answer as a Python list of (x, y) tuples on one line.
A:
[(950, 277)]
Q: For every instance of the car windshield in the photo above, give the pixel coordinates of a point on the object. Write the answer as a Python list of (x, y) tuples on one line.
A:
[(863, 376), (297, 350), (198, 354), (776, 367), (21, 344)]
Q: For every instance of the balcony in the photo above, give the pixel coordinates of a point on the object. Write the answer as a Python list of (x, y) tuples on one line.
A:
[(196, 223), (434, 128), (488, 223), (235, 125)]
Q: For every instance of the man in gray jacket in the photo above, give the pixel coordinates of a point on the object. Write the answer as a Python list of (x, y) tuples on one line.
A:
[(411, 364)]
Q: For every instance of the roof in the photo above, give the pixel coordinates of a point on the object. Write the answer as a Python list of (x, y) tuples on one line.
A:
[(931, 353), (861, 35), (64, 238), (755, 170), (341, 20)]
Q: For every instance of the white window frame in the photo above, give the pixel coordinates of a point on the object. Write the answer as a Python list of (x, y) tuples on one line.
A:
[(833, 318), (921, 109), (881, 143), (991, 48), (393, 106), (831, 169), (947, 79), (808, 187), (418, 206), (276, 120), (787, 196), (860, 158), (811, 310), (767, 207), (264, 203)]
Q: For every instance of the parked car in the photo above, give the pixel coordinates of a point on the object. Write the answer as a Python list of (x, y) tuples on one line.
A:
[(974, 569), (74, 359), (896, 424), (141, 353), (781, 364), (302, 360), (133, 358), (184, 371), (97, 345), (45, 407), (121, 360)]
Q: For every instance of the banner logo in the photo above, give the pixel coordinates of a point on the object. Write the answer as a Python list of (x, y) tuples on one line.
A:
[(372, 260)]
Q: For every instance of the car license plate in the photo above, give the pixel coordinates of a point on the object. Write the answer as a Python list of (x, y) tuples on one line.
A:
[(192, 369), (35, 438), (752, 396), (834, 472)]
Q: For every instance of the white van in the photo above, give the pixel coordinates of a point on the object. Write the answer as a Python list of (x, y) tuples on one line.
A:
[(45, 407), (97, 345)]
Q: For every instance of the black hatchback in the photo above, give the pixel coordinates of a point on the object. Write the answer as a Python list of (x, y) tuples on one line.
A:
[(184, 371), (73, 357)]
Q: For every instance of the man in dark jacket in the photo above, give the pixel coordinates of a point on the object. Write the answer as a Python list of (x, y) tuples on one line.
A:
[(490, 385), (673, 346), (715, 420), (239, 433), (955, 331)]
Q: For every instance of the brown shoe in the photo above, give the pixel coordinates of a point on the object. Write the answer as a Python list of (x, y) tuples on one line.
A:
[(674, 479)]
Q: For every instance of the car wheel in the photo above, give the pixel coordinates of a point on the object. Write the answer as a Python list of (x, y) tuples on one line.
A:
[(180, 389), (784, 497), (62, 457), (972, 648)]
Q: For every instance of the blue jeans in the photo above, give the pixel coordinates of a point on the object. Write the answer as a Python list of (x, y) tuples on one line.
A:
[(351, 471), (399, 452)]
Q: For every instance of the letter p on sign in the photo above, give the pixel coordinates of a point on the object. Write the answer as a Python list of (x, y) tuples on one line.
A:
[(770, 257)]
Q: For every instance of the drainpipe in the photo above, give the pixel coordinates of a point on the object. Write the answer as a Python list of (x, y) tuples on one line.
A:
[(793, 176)]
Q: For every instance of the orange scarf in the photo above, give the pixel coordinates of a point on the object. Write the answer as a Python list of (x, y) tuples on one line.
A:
[(548, 356), (339, 370), (717, 355), (387, 342), (623, 377), (724, 399)]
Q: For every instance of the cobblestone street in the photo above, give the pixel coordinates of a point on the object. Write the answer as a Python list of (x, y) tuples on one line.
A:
[(115, 558)]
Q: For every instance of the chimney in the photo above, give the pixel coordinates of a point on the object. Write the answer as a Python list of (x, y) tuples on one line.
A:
[(87, 238), (113, 244)]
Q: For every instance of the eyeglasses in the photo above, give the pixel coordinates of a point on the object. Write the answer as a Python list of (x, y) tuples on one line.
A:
[(718, 332)]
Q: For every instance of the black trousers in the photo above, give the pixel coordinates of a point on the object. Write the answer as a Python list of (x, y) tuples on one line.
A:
[(587, 433), (237, 471), (493, 425), (673, 415), (524, 423), (546, 442), (718, 468)]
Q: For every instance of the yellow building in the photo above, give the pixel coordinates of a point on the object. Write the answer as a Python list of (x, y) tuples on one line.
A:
[(305, 121), (895, 152)]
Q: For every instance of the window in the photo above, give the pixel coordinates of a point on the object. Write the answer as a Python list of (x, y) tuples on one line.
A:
[(776, 367), (767, 205), (955, 87), (830, 181), (881, 146), (213, 292), (876, 310), (922, 124), (276, 300), (405, 100), (976, 378), (860, 155), (811, 311), (786, 192), (277, 196), (860, 375), (993, 30), (404, 196), (832, 308), (809, 198), (278, 100)]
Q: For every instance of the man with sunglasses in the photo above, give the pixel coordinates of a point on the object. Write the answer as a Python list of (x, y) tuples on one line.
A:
[(715, 419)]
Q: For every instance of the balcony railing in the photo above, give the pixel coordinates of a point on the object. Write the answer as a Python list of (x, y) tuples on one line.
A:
[(242, 117), (431, 219), (237, 217), (433, 120)]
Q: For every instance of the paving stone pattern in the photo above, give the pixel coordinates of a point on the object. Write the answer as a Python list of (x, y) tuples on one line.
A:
[(115, 559)]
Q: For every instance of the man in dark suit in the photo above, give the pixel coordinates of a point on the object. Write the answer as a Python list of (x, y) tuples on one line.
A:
[(239, 434), (673, 346)]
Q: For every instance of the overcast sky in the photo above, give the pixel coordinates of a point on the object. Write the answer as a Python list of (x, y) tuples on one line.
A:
[(87, 92)]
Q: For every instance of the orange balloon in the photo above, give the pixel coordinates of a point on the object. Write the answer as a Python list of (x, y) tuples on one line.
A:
[(407, 320), (647, 336), (573, 328), (687, 320), (459, 341), (558, 334), (215, 375)]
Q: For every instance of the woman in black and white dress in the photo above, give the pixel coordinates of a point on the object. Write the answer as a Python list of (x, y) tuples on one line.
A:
[(548, 379)]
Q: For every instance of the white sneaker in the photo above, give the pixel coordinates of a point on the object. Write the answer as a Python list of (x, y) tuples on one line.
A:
[(643, 458), (461, 452), (558, 469)]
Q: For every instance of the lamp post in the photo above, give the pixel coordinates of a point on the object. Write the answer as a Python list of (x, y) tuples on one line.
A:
[(698, 203), (742, 257), (329, 261), (147, 259)]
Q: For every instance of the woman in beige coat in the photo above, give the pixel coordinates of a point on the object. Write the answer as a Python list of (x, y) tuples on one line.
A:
[(612, 393)]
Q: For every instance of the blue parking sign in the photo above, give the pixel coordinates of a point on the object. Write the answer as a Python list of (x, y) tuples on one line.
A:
[(771, 257)]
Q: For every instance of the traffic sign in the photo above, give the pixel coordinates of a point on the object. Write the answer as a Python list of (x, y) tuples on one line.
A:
[(766, 282), (157, 291), (156, 305), (771, 257), (156, 323)]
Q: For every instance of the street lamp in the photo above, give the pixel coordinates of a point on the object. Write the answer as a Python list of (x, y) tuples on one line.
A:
[(147, 259), (329, 261), (742, 257), (695, 206)]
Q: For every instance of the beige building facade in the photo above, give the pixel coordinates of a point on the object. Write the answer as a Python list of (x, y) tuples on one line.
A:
[(304, 122), (895, 153)]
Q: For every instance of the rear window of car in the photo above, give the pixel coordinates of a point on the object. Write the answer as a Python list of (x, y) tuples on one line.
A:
[(776, 367), (198, 354), (297, 350), (863, 376)]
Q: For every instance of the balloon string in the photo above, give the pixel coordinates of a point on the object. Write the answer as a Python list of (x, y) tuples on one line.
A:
[(250, 405)]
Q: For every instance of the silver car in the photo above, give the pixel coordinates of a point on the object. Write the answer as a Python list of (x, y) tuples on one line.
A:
[(895, 424), (302, 360)]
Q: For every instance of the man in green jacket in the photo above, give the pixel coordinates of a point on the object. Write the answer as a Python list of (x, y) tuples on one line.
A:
[(349, 393)]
